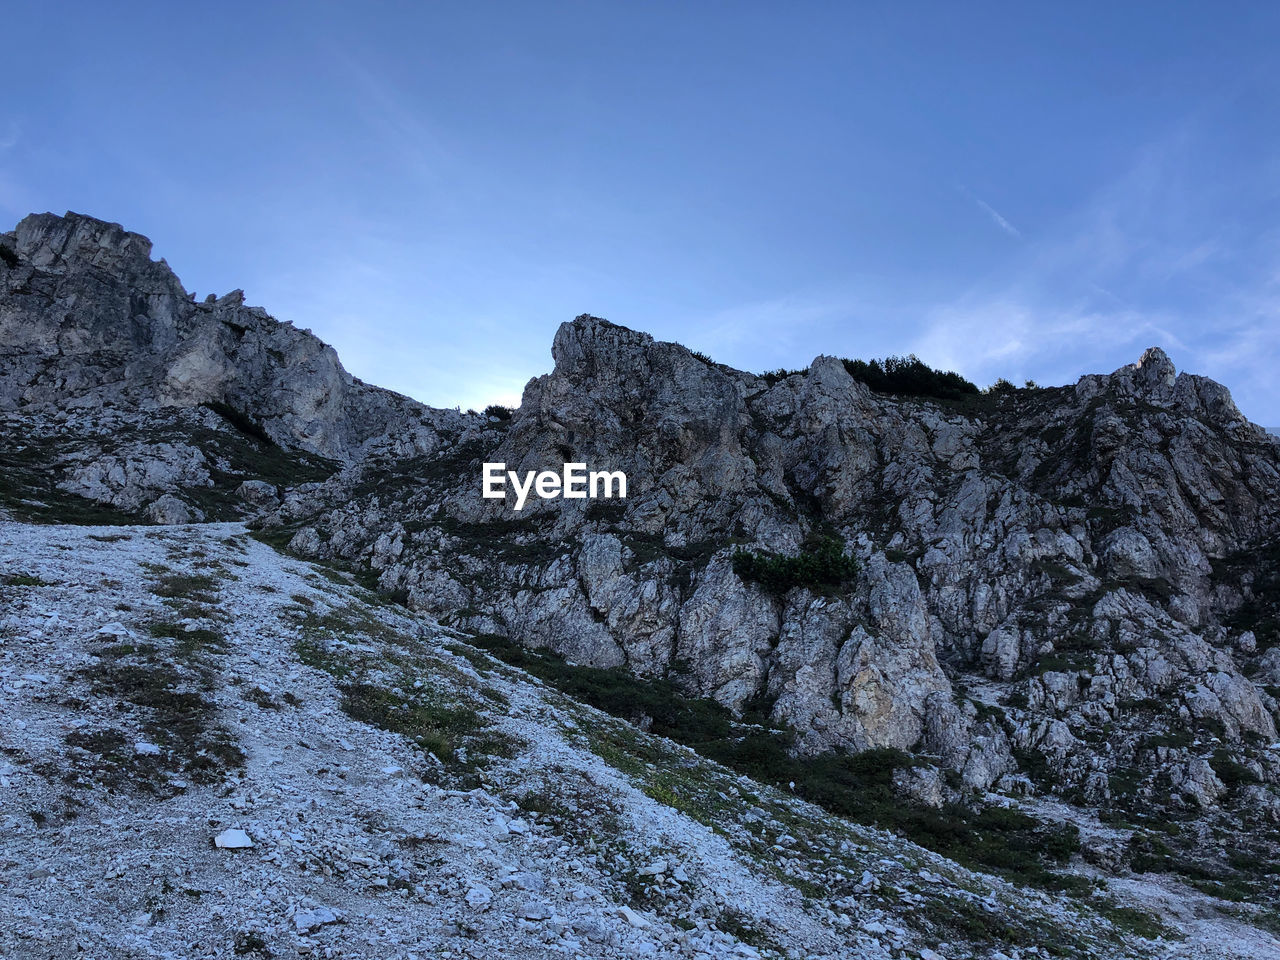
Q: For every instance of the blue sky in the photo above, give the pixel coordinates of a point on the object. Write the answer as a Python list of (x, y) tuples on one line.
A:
[(1019, 190)]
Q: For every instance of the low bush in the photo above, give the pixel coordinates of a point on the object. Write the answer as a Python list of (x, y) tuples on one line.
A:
[(826, 565), (777, 376), (1229, 771), (909, 377)]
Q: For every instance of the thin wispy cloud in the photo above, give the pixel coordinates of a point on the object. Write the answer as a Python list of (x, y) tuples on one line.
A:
[(402, 124), (996, 217), (1142, 264)]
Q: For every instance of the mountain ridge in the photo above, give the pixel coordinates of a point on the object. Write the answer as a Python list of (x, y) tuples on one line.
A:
[(1062, 595)]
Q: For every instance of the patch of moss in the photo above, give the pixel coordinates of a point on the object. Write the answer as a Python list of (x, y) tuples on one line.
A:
[(25, 580)]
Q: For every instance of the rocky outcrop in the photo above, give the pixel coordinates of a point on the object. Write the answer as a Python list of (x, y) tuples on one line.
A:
[(88, 319), (1049, 580)]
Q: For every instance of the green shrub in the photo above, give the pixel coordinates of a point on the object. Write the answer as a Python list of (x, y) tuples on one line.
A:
[(436, 727), (910, 377), (1231, 773), (498, 411), (776, 376), (826, 565), (606, 511)]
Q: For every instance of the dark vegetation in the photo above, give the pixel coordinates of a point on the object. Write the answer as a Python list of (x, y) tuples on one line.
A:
[(436, 728), (498, 411), (824, 565), (25, 580), (439, 470), (8, 255), (909, 377), (777, 376), (856, 786), (900, 377), (29, 474), (606, 511), (248, 944), (165, 685)]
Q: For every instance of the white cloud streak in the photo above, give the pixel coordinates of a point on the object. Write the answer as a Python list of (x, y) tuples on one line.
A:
[(1142, 264), (998, 219)]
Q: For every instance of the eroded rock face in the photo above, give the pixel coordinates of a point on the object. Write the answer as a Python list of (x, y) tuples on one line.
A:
[(1061, 555), (87, 319)]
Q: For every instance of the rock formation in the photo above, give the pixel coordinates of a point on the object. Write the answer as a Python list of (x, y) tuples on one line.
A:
[(1065, 592)]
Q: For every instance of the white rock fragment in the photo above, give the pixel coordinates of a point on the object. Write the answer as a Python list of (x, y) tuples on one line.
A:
[(528, 881), (304, 921), (232, 839), (535, 911), (479, 896), (144, 749), (633, 918)]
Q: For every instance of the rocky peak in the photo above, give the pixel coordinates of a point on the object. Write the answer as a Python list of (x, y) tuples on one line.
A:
[(46, 239), (587, 341), (87, 317), (1156, 368)]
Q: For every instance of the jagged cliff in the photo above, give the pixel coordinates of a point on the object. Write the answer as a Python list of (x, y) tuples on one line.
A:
[(1064, 593), (89, 320)]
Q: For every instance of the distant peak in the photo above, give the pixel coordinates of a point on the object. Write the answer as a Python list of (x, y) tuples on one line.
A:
[(1155, 358), (77, 234)]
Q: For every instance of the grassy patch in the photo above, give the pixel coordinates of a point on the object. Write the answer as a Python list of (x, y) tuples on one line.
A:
[(858, 787), (192, 587), (25, 580), (172, 710), (437, 728)]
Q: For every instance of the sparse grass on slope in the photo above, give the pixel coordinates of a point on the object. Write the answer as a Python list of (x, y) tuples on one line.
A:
[(856, 786)]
